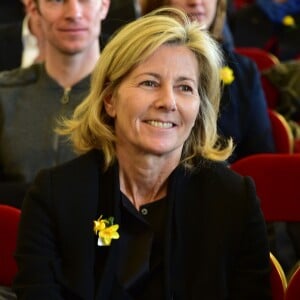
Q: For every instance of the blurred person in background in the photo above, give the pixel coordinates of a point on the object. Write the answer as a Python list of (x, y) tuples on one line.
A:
[(243, 110), (273, 25), (33, 98)]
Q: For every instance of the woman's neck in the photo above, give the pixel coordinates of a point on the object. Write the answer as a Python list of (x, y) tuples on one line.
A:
[(144, 179)]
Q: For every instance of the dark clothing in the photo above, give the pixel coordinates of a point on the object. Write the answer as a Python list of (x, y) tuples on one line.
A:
[(215, 244), (30, 104), (120, 13), (11, 11), (140, 267), (243, 110), (277, 11), (251, 27), (285, 77), (11, 46)]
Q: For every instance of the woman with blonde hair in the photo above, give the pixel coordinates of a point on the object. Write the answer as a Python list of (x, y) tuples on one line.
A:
[(149, 210)]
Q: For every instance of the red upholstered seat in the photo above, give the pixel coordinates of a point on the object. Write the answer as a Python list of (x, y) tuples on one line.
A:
[(276, 177), (241, 3), (271, 92), (9, 222), (264, 60), (293, 288), (277, 182), (282, 134)]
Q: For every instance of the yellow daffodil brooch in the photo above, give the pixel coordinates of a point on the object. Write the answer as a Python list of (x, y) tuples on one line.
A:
[(226, 75), (288, 21), (106, 230)]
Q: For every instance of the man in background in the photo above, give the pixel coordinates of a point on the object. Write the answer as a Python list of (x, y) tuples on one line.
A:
[(33, 99)]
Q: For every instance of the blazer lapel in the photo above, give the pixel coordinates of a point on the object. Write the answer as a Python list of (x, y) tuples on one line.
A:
[(76, 182), (176, 193), (109, 205)]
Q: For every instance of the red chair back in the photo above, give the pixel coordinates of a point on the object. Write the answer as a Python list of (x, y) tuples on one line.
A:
[(241, 3), (293, 288), (271, 92), (276, 177), (282, 134), (264, 60), (9, 222)]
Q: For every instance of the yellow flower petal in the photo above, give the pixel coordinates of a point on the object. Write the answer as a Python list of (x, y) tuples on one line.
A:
[(99, 225), (106, 231), (107, 241), (226, 75), (288, 21)]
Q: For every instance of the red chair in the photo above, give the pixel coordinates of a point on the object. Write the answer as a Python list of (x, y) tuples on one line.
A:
[(293, 287), (264, 60), (282, 134), (9, 222), (297, 146), (241, 3), (278, 279), (276, 177), (271, 92)]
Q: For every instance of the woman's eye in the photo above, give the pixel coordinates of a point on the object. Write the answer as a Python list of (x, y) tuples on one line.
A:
[(186, 88), (149, 83)]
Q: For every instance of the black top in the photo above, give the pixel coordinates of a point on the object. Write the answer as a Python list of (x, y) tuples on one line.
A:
[(140, 266), (215, 245)]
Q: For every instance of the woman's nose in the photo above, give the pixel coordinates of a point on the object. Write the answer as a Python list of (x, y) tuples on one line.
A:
[(167, 99)]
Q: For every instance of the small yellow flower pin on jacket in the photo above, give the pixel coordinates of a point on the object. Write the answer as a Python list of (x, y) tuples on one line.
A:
[(106, 230), (288, 21), (227, 75)]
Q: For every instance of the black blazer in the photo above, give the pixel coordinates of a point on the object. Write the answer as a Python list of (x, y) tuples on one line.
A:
[(11, 46), (216, 245)]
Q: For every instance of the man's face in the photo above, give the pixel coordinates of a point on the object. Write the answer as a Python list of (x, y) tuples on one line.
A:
[(72, 26)]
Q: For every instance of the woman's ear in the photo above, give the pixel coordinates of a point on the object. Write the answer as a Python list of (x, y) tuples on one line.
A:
[(109, 104)]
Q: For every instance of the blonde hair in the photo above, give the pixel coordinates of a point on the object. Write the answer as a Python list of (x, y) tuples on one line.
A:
[(91, 127), (216, 28)]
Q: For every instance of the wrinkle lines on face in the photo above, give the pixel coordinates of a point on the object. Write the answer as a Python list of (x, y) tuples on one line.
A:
[(156, 105)]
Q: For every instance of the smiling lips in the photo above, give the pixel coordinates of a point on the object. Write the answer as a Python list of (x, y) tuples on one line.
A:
[(73, 29), (160, 124)]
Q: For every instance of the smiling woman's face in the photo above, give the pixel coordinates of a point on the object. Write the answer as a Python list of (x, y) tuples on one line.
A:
[(156, 105)]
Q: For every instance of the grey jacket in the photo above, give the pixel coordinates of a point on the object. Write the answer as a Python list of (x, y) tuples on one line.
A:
[(30, 104)]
